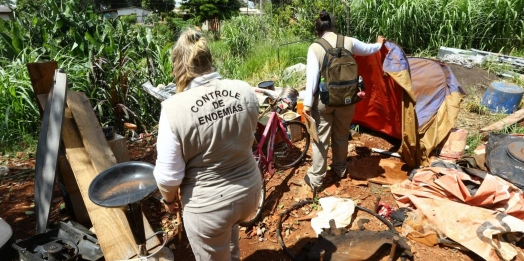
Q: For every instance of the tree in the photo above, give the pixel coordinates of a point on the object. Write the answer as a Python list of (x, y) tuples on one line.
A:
[(212, 11), (159, 5)]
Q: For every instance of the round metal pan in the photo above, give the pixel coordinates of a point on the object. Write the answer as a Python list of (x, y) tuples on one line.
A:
[(123, 184)]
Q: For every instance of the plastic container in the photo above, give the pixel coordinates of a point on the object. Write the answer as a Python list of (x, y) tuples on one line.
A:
[(502, 97), (294, 132), (300, 110)]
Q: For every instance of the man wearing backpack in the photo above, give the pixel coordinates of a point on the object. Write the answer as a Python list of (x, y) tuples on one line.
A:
[(334, 105)]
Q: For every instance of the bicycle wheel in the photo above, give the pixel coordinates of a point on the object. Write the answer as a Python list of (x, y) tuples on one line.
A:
[(255, 216), (285, 156)]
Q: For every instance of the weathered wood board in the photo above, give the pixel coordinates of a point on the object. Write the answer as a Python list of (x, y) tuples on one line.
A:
[(79, 208), (506, 122), (88, 153), (41, 75), (47, 150)]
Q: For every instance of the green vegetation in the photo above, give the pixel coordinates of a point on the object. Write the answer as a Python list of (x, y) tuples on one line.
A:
[(109, 59), (490, 25)]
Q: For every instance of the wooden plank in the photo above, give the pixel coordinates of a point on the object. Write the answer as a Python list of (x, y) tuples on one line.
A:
[(111, 226), (91, 132), (47, 150), (79, 208), (42, 75), (506, 122)]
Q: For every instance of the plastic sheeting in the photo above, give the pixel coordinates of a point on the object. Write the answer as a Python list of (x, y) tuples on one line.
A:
[(436, 182), (488, 233), (483, 215)]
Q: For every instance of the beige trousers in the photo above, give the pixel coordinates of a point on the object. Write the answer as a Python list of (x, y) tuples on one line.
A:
[(214, 235), (333, 125)]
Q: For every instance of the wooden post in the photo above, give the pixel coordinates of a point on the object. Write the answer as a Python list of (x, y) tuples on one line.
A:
[(348, 11)]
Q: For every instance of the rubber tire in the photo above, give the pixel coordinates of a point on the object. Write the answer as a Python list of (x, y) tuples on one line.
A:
[(258, 213), (305, 149)]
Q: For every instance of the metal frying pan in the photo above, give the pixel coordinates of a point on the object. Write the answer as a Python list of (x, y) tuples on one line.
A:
[(123, 184)]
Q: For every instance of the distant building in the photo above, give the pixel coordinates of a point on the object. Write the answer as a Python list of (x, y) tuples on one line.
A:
[(117, 12), (5, 13), (250, 11)]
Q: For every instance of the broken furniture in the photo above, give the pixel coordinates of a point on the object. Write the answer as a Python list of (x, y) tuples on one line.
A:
[(126, 186), (84, 153)]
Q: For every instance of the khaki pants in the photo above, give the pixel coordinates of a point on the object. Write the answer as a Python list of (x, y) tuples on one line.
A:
[(214, 235), (333, 124)]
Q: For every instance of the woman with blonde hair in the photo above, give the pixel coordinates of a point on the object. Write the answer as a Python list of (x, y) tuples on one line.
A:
[(204, 148)]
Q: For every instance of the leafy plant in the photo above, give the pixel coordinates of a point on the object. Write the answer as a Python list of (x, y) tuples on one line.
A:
[(130, 19)]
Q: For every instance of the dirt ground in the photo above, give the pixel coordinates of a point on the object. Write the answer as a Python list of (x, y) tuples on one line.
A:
[(285, 189)]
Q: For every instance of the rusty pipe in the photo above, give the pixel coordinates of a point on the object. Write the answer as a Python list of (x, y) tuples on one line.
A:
[(393, 247)]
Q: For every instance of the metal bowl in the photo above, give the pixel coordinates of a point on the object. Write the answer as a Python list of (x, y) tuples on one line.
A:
[(123, 184)]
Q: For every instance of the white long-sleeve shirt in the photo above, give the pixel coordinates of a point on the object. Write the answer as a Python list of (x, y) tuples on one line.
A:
[(313, 70)]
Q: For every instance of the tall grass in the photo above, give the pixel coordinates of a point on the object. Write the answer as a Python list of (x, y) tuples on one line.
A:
[(252, 49), (491, 25)]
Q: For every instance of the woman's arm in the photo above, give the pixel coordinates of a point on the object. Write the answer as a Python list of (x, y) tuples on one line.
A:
[(312, 74), (364, 49), (170, 165)]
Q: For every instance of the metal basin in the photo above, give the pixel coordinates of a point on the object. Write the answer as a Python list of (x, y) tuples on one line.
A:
[(123, 184)]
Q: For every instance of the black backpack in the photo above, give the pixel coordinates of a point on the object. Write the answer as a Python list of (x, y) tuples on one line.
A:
[(340, 71)]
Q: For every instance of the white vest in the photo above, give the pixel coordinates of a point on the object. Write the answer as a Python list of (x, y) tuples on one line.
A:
[(215, 124)]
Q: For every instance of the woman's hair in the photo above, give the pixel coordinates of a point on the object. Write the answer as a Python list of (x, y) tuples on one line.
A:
[(191, 58), (323, 23)]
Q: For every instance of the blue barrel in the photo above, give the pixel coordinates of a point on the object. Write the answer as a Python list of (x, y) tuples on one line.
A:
[(502, 97)]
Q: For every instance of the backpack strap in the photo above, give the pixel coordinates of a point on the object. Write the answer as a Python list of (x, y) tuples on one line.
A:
[(340, 41), (326, 45)]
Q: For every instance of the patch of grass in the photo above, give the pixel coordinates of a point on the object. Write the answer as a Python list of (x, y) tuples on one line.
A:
[(27, 143), (474, 106), (472, 142), (513, 129)]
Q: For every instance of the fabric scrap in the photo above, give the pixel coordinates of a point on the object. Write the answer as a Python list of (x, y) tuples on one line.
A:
[(339, 209)]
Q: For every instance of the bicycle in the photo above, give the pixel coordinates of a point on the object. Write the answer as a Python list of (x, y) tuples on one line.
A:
[(286, 143)]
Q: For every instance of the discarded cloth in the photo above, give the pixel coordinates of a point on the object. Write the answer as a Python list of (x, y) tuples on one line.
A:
[(415, 227), (398, 216), (491, 192), (488, 233), (339, 209)]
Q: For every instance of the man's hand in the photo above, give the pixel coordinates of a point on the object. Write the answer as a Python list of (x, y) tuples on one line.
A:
[(381, 39)]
